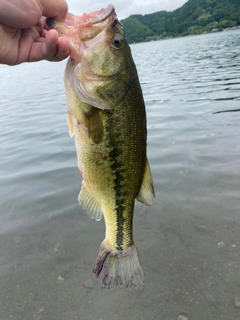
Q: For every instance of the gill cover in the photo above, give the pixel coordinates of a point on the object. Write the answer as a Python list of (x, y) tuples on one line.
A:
[(97, 70)]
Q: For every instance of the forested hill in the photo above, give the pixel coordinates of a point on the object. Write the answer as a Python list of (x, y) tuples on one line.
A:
[(194, 17)]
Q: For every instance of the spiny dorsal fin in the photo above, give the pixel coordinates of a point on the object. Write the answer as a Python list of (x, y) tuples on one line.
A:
[(89, 204), (146, 193)]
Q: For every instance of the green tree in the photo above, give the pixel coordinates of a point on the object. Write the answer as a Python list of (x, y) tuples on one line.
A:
[(194, 17), (226, 24)]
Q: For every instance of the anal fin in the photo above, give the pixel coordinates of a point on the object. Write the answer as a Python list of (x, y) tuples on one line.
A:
[(89, 203), (146, 193)]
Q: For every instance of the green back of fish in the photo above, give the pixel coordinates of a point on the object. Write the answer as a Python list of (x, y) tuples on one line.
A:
[(111, 151)]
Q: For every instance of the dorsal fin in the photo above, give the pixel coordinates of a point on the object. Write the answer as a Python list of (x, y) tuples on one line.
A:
[(146, 193)]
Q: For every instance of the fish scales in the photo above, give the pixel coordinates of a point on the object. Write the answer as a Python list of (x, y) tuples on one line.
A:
[(106, 114), (114, 180)]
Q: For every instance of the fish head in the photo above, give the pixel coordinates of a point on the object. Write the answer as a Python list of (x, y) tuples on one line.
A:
[(100, 68)]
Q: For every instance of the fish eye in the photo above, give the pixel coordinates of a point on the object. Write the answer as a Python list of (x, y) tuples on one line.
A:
[(117, 41)]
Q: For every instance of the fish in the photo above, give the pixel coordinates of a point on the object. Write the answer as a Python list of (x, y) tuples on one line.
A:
[(107, 117)]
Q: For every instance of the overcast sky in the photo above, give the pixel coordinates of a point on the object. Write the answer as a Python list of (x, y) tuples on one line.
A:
[(124, 8)]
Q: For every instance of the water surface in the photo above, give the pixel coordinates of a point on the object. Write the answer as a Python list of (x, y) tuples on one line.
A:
[(188, 241)]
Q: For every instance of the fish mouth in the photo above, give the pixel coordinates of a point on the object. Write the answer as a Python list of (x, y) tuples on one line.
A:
[(88, 20), (84, 21), (85, 30)]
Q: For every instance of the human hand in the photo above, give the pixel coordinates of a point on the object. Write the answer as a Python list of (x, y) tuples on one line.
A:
[(24, 34)]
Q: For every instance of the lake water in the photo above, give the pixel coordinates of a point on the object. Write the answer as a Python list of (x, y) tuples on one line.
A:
[(188, 241)]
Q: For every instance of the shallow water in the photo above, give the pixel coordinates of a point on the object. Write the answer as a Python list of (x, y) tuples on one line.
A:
[(188, 241)]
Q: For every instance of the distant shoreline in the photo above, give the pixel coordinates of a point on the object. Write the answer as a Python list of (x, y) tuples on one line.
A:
[(237, 28)]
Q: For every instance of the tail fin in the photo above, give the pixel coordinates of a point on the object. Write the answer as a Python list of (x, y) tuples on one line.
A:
[(119, 268)]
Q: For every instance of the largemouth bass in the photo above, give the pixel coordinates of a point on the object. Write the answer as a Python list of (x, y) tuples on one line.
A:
[(106, 114)]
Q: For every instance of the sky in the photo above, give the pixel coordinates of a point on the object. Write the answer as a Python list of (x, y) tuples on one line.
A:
[(124, 8)]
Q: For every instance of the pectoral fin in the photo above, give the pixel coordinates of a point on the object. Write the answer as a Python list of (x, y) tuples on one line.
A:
[(93, 123), (146, 193), (81, 112), (89, 203)]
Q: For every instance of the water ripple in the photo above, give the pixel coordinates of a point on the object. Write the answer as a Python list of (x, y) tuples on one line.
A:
[(185, 82)]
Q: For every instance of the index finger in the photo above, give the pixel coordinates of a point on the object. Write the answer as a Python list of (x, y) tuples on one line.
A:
[(56, 9)]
